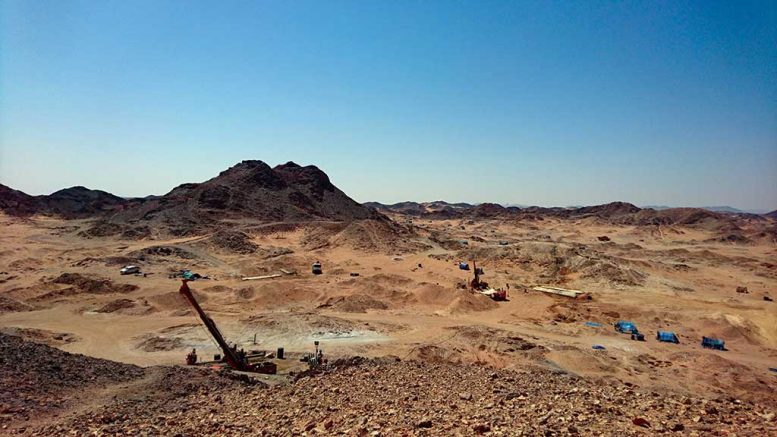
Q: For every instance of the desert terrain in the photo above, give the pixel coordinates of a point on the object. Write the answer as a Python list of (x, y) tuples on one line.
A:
[(392, 312)]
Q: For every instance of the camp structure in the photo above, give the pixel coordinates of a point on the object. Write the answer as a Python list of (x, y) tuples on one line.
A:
[(667, 337), (713, 343), (625, 327)]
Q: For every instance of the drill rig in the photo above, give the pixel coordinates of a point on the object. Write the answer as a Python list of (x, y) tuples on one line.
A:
[(482, 287), (235, 358)]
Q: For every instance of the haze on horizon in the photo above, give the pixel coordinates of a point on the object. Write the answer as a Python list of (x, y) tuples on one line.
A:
[(534, 103)]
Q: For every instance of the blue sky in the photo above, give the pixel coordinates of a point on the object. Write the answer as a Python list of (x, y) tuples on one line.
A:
[(547, 103)]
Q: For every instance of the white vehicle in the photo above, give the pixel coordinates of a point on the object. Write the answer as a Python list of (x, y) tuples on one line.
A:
[(129, 270)]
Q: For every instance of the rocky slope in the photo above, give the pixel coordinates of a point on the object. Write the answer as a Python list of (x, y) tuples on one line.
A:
[(387, 397)]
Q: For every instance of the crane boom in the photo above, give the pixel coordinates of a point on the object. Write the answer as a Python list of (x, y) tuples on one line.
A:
[(230, 354)]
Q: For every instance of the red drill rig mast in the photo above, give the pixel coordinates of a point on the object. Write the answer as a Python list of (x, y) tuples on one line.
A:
[(234, 360)]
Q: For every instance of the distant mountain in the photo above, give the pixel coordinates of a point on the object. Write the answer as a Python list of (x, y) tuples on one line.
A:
[(726, 209), (249, 190), (70, 203)]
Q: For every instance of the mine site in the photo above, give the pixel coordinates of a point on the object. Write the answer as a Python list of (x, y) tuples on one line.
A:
[(388, 218), (266, 301)]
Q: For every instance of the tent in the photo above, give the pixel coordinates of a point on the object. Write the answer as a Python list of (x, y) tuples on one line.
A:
[(624, 326), (667, 337), (713, 343)]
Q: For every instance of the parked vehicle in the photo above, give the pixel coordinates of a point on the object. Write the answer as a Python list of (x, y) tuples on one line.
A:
[(129, 270)]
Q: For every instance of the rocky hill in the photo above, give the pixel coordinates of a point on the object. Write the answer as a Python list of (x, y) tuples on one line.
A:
[(16, 203), (249, 190), (69, 203)]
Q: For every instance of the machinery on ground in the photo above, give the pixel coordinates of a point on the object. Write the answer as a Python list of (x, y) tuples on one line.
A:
[(482, 287), (236, 359)]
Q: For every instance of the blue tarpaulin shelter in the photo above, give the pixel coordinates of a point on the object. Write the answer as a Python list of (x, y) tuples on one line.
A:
[(667, 337), (624, 326), (713, 343), (464, 266)]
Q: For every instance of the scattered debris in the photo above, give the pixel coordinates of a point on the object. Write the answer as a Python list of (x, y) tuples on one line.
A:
[(742, 290), (603, 238), (575, 294), (256, 278)]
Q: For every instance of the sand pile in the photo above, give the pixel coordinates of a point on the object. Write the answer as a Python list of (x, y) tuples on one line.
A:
[(355, 303)]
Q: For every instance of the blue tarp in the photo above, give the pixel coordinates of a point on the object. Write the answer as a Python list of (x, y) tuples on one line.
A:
[(598, 347), (624, 326), (464, 266), (713, 343), (667, 336), (593, 324)]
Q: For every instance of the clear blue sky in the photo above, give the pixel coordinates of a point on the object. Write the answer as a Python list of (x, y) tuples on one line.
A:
[(539, 102)]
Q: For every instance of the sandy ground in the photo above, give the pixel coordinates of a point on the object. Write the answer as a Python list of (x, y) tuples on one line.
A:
[(406, 303)]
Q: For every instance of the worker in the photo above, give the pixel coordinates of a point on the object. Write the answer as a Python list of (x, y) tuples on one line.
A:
[(191, 359)]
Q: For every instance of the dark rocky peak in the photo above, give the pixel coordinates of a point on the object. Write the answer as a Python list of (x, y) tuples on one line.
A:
[(609, 209), (250, 173), (15, 202), (309, 175), (80, 193)]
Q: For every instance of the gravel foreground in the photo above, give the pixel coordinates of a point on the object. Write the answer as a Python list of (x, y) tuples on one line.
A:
[(378, 397)]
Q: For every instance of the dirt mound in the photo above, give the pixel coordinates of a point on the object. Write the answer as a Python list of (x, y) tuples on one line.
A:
[(38, 379), (81, 284), (163, 251), (378, 236), (732, 327), (8, 305), (467, 302), (104, 228), (358, 303), (116, 305), (42, 336), (174, 301), (88, 284), (153, 343), (614, 274), (233, 242)]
